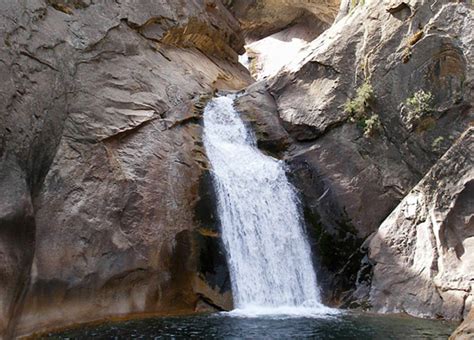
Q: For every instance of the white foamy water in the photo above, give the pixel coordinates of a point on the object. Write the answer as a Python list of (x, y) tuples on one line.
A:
[(268, 255)]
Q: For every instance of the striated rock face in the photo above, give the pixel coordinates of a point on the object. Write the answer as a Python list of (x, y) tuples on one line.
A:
[(351, 175), (107, 207), (311, 95), (101, 212), (423, 253)]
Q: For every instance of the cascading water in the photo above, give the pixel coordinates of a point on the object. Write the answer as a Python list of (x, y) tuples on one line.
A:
[(268, 256)]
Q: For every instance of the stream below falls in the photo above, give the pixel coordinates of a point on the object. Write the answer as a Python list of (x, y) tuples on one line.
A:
[(344, 326)]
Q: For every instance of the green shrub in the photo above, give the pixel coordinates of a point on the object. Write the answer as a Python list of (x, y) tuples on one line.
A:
[(418, 106), (372, 126), (437, 144), (358, 106), (359, 110), (420, 102)]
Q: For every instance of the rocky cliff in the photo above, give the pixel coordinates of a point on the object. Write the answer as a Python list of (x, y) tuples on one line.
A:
[(423, 253), (102, 159), (107, 208), (362, 114)]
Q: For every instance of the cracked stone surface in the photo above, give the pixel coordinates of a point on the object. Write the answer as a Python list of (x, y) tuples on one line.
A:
[(349, 183), (106, 205), (423, 253), (102, 158)]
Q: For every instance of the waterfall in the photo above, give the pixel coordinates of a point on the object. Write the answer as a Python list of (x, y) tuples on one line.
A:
[(268, 255)]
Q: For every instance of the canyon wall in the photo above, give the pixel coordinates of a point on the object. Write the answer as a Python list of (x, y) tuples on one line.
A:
[(423, 253), (260, 19), (101, 212), (107, 208), (360, 115)]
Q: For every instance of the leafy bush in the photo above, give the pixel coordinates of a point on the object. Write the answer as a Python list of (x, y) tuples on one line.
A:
[(418, 106), (437, 144), (420, 102), (357, 106), (372, 125)]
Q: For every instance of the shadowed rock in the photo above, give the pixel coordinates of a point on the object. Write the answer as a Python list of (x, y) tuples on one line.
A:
[(423, 252), (351, 181), (101, 111)]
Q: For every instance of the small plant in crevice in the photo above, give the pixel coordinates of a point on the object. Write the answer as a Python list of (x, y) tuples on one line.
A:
[(360, 113), (437, 145), (417, 111), (358, 106), (415, 38), (372, 126), (406, 55)]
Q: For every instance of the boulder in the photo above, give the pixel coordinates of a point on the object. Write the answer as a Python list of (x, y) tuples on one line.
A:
[(423, 253), (258, 109)]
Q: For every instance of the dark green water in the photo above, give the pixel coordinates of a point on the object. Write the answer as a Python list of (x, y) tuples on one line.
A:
[(221, 326)]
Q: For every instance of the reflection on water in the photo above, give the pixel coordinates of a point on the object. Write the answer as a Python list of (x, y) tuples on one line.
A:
[(221, 326)]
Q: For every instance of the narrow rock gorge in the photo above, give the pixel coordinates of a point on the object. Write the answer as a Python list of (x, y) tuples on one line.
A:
[(107, 207)]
